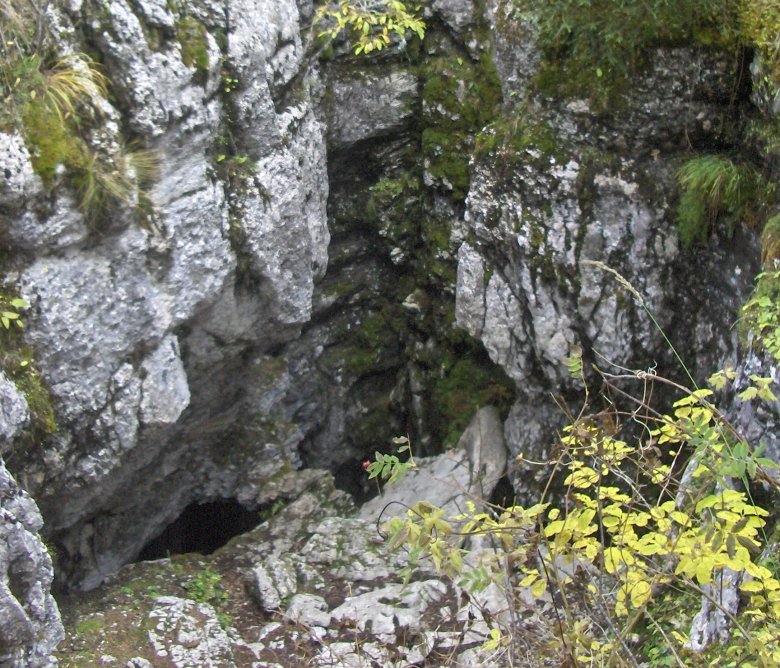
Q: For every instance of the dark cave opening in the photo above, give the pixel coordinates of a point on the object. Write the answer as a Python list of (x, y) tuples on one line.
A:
[(504, 494), (203, 528), (352, 478)]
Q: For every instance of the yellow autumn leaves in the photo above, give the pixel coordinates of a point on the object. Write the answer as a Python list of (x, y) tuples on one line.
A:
[(631, 529), (369, 25)]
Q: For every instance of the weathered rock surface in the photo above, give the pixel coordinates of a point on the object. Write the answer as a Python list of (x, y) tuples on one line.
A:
[(558, 188), (393, 95), (310, 586), (14, 413), (30, 625), (472, 469), (150, 338), (281, 308)]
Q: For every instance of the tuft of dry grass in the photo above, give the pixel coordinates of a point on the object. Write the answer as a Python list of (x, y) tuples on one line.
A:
[(73, 80)]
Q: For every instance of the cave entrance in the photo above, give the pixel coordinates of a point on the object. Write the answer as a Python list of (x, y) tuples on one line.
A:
[(203, 528)]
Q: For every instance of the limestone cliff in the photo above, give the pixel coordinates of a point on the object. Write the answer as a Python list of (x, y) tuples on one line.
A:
[(333, 250)]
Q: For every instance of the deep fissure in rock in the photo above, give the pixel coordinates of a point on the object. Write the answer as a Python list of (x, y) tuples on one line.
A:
[(203, 528)]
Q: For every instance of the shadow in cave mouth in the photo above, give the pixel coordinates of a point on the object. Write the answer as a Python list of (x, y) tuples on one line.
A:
[(352, 478), (203, 528)]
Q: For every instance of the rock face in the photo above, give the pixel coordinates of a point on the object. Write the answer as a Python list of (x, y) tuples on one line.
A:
[(473, 468), (14, 413), (310, 586), (565, 206), (311, 235), (149, 336), (30, 625)]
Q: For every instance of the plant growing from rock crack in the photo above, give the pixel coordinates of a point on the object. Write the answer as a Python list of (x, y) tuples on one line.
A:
[(51, 100), (717, 189), (16, 361), (761, 313), (118, 179), (206, 587), (10, 311)]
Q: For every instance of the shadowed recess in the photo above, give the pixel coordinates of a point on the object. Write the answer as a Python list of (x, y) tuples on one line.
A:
[(203, 528)]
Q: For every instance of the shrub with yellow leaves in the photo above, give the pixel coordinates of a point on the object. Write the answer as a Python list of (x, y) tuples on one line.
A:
[(370, 25), (654, 515)]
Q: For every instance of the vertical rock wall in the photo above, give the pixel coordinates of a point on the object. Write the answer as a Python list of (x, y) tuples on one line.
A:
[(153, 337), (315, 232), (30, 625), (557, 185)]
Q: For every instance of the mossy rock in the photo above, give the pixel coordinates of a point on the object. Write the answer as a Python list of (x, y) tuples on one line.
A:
[(459, 98), (469, 381), (394, 206), (52, 142), (17, 362), (593, 49), (369, 347), (193, 39), (511, 139)]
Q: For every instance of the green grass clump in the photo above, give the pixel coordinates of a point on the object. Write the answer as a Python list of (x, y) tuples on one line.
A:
[(770, 241), (716, 189), (510, 138), (103, 181)]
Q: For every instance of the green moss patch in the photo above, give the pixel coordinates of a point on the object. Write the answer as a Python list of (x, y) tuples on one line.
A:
[(459, 98), (375, 339), (52, 142), (466, 384), (592, 49), (193, 39)]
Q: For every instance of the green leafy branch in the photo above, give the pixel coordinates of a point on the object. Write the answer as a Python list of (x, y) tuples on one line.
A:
[(761, 313), (10, 308), (389, 467), (370, 25)]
